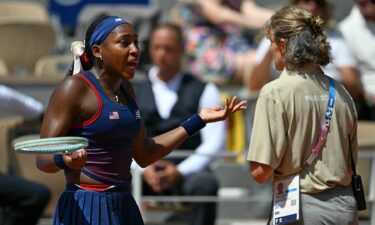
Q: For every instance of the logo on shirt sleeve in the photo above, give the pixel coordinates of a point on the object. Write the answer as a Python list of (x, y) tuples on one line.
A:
[(137, 114), (114, 116)]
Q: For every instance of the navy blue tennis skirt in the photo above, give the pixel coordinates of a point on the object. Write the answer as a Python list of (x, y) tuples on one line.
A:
[(115, 206)]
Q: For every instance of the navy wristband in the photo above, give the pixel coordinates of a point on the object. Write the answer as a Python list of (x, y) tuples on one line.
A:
[(193, 124), (58, 159)]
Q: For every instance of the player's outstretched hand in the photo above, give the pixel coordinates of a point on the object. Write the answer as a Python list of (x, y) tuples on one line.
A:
[(218, 113)]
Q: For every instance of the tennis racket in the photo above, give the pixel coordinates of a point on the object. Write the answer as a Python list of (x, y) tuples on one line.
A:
[(51, 145)]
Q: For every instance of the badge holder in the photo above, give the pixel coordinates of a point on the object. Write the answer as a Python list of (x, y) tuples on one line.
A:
[(286, 200)]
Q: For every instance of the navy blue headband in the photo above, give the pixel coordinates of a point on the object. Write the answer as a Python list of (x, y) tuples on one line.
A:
[(104, 29)]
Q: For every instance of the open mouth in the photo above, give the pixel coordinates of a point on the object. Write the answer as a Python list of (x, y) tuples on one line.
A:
[(133, 63)]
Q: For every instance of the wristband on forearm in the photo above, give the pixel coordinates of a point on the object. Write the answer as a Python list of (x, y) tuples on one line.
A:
[(58, 159), (193, 124)]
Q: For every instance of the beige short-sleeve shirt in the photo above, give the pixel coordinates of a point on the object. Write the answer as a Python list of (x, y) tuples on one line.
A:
[(288, 118)]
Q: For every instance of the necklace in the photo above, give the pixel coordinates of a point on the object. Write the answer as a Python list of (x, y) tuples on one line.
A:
[(105, 85)]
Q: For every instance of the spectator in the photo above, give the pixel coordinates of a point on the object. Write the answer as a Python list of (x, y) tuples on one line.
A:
[(342, 67), (16, 103), (166, 99), (298, 134), (215, 46), (22, 201), (358, 31)]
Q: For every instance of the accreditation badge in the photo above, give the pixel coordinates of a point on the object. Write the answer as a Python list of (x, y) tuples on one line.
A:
[(286, 197)]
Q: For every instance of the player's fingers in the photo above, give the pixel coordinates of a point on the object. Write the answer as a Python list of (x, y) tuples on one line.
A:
[(74, 155), (82, 154), (240, 105), (77, 154)]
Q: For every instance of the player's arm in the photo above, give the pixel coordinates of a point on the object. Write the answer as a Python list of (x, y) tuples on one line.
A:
[(148, 150), (62, 111)]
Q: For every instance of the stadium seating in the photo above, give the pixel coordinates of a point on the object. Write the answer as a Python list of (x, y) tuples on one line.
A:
[(30, 11), (53, 65), (3, 68), (22, 43)]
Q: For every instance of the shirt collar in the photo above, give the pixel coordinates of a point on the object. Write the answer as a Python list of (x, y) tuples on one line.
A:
[(173, 84)]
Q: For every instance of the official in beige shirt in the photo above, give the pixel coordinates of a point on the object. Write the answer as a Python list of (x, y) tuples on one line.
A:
[(288, 119)]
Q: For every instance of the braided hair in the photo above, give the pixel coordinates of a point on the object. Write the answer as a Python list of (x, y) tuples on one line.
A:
[(87, 58)]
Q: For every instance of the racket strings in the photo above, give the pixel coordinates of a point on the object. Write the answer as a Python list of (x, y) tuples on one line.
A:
[(51, 145)]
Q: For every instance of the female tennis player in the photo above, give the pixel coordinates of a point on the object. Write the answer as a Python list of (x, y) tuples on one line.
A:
[(97, 102)]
